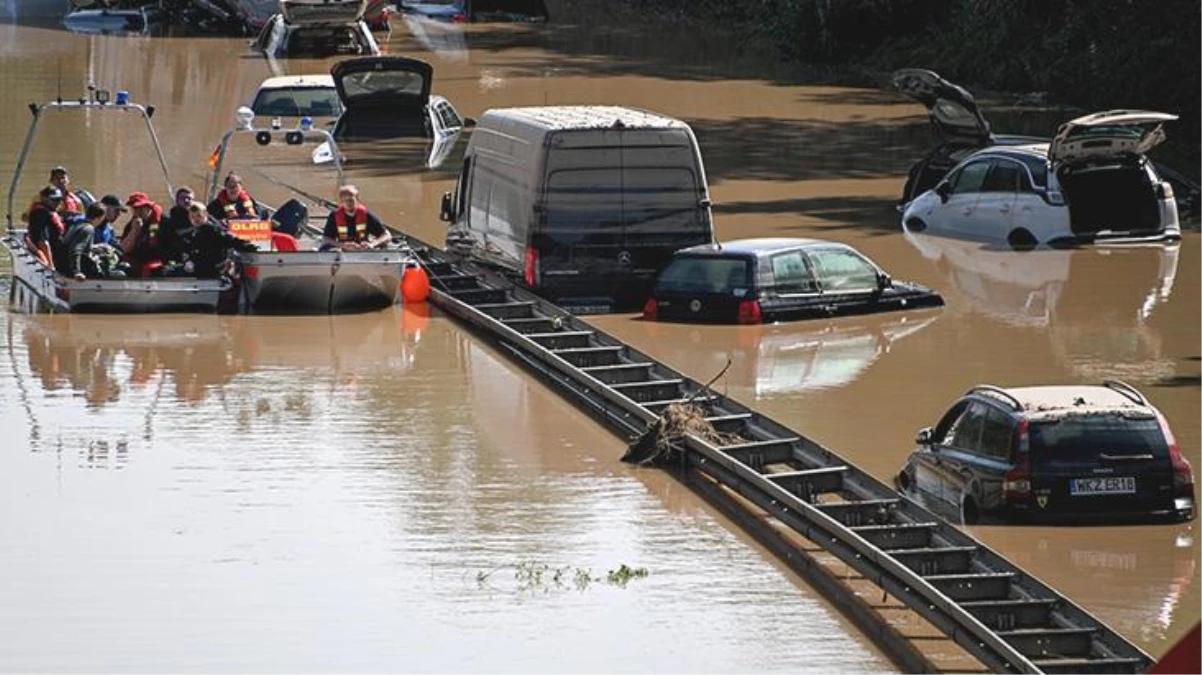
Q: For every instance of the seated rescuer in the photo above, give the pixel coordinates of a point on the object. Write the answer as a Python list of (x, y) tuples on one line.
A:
[(208, 245), (233, 201), (106, 233), (77, 261), (177, 226), (44, 238), (140, 240), (351, 226), (74, 201)]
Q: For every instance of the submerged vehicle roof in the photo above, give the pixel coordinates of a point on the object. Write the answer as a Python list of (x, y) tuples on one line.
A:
[(758, 246), (321, 81), (569, 117)]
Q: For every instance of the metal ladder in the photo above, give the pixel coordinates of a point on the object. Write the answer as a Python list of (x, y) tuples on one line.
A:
[(998, 613)]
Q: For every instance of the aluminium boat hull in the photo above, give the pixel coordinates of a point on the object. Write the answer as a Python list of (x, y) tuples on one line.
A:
[(322, 282), (36, 288)]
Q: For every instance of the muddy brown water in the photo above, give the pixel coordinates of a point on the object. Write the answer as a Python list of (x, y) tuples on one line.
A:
[(385, 492)]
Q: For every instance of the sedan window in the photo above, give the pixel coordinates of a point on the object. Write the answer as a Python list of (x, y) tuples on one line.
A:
[(792, 273), (966, 434), (841, 270), (995, 434), (695, 274), (447, 114), (970, 177), (1038, 167)]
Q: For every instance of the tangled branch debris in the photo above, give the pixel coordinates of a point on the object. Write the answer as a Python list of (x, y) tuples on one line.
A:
[(664, 439)]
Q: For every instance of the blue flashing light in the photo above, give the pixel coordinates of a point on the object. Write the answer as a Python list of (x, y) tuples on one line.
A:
[(122, 97), (306, 123)]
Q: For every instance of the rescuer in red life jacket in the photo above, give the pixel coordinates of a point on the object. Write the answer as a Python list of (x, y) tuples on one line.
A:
[(351, 227), (233, 201)]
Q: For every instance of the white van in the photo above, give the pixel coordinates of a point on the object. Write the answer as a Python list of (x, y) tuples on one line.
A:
[(585, 204)]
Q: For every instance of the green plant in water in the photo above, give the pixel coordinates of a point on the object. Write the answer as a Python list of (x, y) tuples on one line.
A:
[(535, 576)]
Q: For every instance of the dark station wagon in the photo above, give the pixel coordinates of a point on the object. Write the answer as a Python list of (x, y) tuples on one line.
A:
[(767, 280), (1051, 453)]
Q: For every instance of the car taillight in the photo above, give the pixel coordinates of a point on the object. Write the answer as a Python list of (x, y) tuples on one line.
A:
[(531, 266), (1017, 483), (749, 312), (650, 309), (459, 17), (1183, 473)]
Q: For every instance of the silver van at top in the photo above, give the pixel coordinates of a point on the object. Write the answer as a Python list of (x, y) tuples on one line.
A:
[(584, 204)]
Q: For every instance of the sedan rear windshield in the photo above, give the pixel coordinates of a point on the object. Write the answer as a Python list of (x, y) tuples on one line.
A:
[(1093, 440), (298, 102), (697, 274)]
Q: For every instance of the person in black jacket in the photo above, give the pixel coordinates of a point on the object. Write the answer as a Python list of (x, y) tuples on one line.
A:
[(208, 245)]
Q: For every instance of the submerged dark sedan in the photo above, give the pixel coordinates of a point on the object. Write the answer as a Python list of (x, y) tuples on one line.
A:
[(768, 280)]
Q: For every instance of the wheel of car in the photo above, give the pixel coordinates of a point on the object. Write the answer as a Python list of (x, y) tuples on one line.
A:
[(1021, 239)]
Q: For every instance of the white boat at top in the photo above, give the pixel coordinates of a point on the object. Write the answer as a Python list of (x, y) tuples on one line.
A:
[(38, 288), (306, 280)]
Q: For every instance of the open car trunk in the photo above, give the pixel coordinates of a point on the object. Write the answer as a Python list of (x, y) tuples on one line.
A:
[(383, 97), (322, 11), (1115, 199)]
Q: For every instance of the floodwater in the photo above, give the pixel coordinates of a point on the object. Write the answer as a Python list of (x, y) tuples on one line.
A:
[(385, 492)]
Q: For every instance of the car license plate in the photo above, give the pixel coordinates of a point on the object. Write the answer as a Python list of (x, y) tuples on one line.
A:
[(1112, 485)]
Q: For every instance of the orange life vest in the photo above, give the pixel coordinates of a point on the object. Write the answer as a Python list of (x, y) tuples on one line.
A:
[(343, 227), (230, 206)]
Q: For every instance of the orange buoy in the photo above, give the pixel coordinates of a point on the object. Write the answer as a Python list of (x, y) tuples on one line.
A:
[(415, 285)]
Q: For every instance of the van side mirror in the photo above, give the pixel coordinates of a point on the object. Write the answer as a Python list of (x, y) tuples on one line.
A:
[(924, 436), (446, 213), (943, 190), (883, 281)]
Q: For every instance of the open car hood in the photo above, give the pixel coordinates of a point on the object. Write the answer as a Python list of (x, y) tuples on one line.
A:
[(1108, 135), (304, 12), (383, 82), (952, 109)]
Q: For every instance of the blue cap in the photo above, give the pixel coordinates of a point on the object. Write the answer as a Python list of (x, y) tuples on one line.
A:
[(123, 97)]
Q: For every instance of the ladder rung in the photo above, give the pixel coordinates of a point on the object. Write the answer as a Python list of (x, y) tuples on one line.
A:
[(897, 535), (977, 586), (1051, 641), (810, 482), (863, 512)]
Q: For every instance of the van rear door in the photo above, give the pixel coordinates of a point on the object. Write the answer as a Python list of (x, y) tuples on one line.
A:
[(1101, 464), (614, 211)]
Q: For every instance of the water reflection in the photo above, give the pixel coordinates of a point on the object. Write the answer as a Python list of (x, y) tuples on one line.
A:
[(1140, 578), (1094, 304), (777, 360)]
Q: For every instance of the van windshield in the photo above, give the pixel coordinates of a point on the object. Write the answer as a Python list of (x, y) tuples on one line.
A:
[(704, 274), (1081, 441), (646, 200)]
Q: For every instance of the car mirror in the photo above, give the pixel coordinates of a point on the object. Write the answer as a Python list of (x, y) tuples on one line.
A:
[(883, 281), (446, 213), (924, 436), (943, 190)]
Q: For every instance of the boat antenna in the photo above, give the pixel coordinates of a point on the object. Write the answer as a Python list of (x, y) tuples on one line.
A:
[(60, 80)]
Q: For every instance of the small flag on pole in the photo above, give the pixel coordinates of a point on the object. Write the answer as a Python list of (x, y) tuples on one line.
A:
[(213, 157)]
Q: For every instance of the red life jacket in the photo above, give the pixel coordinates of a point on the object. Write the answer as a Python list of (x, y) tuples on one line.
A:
[(344, 229), (58, 222), (230, 206), (71, 203)]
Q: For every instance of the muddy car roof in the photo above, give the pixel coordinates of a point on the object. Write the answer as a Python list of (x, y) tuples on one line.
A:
[(1057, 402)]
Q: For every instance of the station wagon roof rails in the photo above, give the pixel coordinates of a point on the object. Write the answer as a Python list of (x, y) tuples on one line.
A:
[(1126, 390), (997, 392)]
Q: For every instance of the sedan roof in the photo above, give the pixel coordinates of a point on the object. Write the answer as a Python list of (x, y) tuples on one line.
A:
[(758, 246)]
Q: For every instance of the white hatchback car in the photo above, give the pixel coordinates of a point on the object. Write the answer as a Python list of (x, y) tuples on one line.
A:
[(1092, 184), (288, 96)]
